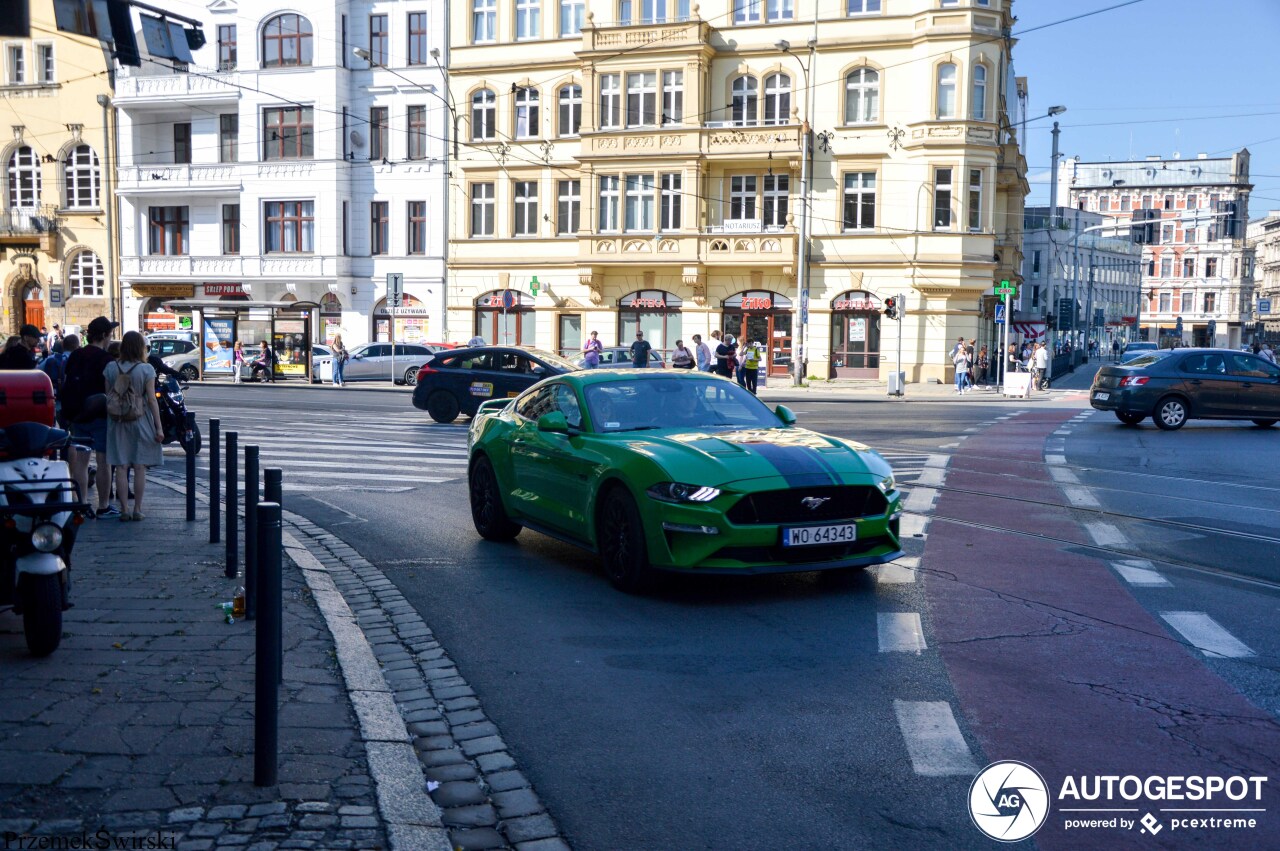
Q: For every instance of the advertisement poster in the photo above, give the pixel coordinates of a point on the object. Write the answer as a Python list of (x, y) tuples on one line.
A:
[(858, 330), (218, 342)]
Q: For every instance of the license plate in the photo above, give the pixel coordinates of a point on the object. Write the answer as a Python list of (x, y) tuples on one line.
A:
[(1102, 396), (807, 536)]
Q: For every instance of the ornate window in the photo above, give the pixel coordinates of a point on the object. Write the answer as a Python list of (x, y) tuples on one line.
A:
[(946, 91), (84, 274), (745, 103), (526, 113), (862, 96), (777, 99), (83, 177), (286, 41), (979, 105), (570, 110), (483, 105), (24, 178), (484, 21)]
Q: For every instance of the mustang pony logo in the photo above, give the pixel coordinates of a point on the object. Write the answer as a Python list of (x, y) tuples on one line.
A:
[(813, 503)]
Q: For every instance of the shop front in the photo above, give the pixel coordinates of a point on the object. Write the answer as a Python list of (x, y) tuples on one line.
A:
[(411, 321), (762, 317), (506, 318), (654, 312), (286, 327), (855, 335)]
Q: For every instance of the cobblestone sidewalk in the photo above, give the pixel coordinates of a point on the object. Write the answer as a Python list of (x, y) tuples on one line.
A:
[(141, 724)]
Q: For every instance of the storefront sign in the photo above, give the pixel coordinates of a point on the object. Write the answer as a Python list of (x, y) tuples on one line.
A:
[(218, 341), (855, 305), (858, 330), (743, 226), (223, 289), (756, 303), (656, 303), (164, 290)]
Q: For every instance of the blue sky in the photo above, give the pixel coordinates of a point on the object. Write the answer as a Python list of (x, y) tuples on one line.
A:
[(1152, 78)]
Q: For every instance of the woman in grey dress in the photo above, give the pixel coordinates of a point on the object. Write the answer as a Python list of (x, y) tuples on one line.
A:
[(137, 443)]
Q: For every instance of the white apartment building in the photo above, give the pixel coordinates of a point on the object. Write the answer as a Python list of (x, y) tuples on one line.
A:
[(279, 167), (1198, 273)]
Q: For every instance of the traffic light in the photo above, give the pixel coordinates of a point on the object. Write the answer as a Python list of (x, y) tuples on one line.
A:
[(891, 308)]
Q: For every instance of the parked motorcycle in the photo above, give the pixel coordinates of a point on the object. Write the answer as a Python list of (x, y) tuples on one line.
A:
[(173, 415), (40, 510)]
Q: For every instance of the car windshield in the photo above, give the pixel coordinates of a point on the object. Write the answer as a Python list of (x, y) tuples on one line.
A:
[(652, 403)]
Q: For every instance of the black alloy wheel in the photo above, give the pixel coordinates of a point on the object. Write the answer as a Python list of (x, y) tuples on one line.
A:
[(1130, 417), (442, 406), (1265, 423), (42, 612), (620, 536), (487, 511), (1171, 413)]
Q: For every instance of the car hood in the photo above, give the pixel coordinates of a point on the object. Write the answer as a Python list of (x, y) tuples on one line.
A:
[(794, 457)]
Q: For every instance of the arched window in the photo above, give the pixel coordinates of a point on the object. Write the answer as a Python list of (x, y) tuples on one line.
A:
[(777, 99), (286, 41), (947, 91), (482, 115), (745, 101), (24, 178), (84, 274), (526, 113), (862, 96), (82, 177), (570, 110), (979, 105)]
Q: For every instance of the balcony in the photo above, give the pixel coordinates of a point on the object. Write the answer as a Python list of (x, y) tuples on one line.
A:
[(162, 90), (713, 141), (237, 267), (635, 37), (33, 226), (156, 179), (715, 247)]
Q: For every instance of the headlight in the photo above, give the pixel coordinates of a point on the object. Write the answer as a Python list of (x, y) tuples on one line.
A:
[(46, 537), (886, 484), (677, 492)]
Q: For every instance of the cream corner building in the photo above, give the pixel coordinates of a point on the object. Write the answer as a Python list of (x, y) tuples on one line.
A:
[(642, 160), (55, 254)]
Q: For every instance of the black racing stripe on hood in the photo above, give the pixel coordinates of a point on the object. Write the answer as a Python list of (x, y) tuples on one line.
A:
[(801, 466)]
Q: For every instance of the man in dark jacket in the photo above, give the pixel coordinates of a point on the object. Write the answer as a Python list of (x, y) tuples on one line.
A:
[(83, 381), (21, 355)]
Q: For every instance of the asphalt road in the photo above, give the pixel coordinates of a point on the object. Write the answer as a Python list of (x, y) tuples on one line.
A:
[(766, 712)]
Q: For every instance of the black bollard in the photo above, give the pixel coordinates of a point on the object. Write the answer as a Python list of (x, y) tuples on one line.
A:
[(215, 482), (266, 732), (273, 491), (251, 490), (189, 425), (233, 505)]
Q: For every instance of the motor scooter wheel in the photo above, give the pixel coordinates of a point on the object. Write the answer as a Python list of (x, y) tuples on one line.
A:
[(42, 612)]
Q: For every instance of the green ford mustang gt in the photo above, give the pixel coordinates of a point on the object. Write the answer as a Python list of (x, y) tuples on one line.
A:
[(677, 471)]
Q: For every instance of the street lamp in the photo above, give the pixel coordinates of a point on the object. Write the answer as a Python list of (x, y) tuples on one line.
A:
[(806, 194)]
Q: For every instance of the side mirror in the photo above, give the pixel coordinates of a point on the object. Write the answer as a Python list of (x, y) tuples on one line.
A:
[(553, 422), (785, 414)]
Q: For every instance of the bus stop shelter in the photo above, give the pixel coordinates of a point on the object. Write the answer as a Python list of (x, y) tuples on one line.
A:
[(288, 327)]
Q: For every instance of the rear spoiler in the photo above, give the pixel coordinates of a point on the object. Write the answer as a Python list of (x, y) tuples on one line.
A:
[(492, 406)]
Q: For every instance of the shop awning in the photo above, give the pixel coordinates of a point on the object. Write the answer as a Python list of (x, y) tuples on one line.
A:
[(1031, 330), (236, 304)]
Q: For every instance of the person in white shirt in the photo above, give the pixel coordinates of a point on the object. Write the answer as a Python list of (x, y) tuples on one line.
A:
[(1268, 353), (1040, 364), (703, 353)]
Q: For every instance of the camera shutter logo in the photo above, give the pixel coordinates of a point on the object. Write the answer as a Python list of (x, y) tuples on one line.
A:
[(1008, 801)]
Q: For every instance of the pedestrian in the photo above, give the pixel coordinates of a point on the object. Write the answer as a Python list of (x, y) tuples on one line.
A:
[(957, 347), (237, 361), (134, 431), (724, 357), (984, 363), (591, 350), (158, 364), (961, 361), (57, 332), (640, 352), (1115, 350), (1268, 354), (1011, 359), (266, 359), (703, 352), (339, 361), (751, 364), (84, 406), (681, 358), (21, 355), (1040, 365), (475, 342), (972, 350)]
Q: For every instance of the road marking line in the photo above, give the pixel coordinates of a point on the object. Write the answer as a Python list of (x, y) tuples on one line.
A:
[(948, 446), (900, 632), (937, 460), (1081, 497), (930, 476), (1063, 476), (920, 499), (1207, 635), (912, 525), (1106, 535), (1055, 459), (900, 572), (1063, 431), (1140, 572), (933, 738)]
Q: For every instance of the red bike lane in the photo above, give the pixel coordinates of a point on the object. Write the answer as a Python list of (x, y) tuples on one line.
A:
[(1057, 665)]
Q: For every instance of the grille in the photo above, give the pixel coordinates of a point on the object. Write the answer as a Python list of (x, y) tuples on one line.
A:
[(844, 502), (802, 555)]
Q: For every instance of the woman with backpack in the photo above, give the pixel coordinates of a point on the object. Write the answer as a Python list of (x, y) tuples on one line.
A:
[(134, 431), (339, 360)]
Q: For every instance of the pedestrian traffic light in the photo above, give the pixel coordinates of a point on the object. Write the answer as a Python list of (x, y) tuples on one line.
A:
[(891, 308)]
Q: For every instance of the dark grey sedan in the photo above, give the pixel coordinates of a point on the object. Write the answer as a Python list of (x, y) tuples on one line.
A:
[(1190, 384)]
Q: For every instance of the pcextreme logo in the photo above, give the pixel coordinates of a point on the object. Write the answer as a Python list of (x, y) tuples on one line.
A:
[(1008, 801)]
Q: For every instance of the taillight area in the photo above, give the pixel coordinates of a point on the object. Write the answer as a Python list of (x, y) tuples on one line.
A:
[(1134, 381), (425, 370)]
